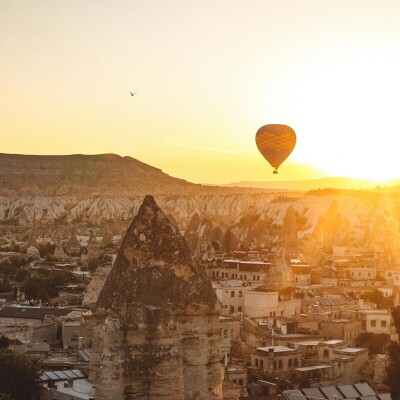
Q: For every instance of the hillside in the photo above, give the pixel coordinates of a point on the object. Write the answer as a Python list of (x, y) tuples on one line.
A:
[(83, 174)]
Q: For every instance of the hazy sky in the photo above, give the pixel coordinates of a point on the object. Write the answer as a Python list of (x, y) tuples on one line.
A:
[(208, 74)]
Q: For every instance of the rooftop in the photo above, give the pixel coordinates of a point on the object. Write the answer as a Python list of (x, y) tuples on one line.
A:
[(332, 342), (276, 349), (32, 312), (232, 283), (351, 350)]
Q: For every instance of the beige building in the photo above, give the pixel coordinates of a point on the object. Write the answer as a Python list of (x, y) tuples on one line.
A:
[(264, 303), (276, 361), (344, 329), (230, 331), (251, 271), (231, 295), (71, 332), (392, 275), (346, 364), (31, 323), (377, 321)]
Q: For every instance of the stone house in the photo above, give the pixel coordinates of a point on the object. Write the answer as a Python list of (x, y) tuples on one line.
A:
[(344, 329), (271, 303), (31, 323), (231, 295), (346, 364), (275, 361)]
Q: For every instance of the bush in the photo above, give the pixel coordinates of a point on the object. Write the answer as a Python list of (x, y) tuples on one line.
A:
[(375, 343), (19, 376)]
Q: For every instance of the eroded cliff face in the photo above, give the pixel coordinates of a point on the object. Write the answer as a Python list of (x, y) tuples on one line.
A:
[(157, 334)]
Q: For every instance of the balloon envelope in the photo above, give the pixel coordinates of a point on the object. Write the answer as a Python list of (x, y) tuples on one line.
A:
[(275, 143)]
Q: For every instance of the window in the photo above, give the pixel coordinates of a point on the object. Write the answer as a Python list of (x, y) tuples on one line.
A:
[(240, 308), (232, 309), (296, 362), (231, 332), (240, 293), (234, 381), (326, 353), (274, 364), (225, 333), (261, 364), (373, 322), (74, 337), (232, 293), (280, 364), (290, 362), (256, 362), (241, 382), (383, 324)]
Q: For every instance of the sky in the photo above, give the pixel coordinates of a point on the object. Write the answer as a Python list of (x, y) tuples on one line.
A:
[(207, 74)]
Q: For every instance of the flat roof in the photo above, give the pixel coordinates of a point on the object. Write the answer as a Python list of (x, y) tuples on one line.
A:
[(312, 368), (81, 389), (332, 341), (277, 349), (32, 312), (310, 343), (248, 262), (351, 350), (383, 312), (72, 323)]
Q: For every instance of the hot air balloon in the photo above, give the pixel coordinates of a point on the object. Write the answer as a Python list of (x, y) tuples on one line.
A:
[(275, 143)]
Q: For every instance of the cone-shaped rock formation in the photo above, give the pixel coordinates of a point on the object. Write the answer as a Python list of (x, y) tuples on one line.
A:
[(157, 332)]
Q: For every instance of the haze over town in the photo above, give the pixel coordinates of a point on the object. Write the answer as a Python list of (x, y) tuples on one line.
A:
[(148, 250)]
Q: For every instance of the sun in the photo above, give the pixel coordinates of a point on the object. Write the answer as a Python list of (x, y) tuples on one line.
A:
[(345, 117)]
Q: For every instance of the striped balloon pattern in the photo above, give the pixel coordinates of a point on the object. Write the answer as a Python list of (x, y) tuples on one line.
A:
[(275, 143)]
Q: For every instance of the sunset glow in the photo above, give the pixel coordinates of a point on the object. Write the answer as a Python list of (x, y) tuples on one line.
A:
[(207, 76)]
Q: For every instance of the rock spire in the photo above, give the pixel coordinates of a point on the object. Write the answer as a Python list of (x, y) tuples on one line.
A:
[(157, 334)]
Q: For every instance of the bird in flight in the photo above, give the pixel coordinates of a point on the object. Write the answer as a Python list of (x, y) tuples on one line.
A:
[(132, 94)]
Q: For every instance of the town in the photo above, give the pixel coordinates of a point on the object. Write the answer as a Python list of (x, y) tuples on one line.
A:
[(295, 325)]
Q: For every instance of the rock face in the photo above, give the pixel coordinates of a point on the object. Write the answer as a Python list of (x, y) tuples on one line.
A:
[(157, 334)]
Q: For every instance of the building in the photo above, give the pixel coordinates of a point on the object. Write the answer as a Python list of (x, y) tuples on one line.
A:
[(70, 384), (350, 391), (271, 303), (231, 295), (275, 361), (31, 323), (344, 329), (247, 270), (377, 321), (230, 332)]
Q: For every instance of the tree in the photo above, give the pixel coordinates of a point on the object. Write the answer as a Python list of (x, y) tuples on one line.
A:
[(19, 376), (380, 300), (396, 318), (392, 371), (4, 342), (376, 343)]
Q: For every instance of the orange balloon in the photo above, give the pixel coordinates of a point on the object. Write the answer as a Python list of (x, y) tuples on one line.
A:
[(275, 143)]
